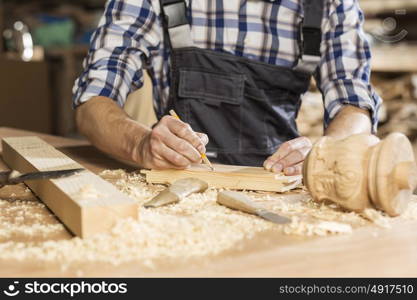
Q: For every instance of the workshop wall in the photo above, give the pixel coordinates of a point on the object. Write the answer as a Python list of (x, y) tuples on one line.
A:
[(56, 35)]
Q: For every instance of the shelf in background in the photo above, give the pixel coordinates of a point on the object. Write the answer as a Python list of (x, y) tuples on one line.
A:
[(401, 58), (387, 6), (76, 50)]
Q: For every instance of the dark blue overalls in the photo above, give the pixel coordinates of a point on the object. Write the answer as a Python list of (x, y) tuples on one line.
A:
[(247, 108)]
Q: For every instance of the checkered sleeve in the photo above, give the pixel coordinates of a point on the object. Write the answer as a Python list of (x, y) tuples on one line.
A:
[(344, 71), (128, 31)]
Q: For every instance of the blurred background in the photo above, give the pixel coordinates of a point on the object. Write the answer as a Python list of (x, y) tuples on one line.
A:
[(43, 43), (391, 28)]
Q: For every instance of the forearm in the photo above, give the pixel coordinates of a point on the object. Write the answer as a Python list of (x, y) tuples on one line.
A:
[(349, 120), (344, 73), (110, 129)]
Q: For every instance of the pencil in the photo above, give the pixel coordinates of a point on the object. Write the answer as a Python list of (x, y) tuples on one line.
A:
[(203, 155)]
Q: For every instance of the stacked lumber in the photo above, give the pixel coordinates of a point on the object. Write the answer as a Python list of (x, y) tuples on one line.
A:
[(378, 6)]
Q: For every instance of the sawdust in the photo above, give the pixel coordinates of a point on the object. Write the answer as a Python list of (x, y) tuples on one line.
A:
[(196, 227), (27, 221), (87, 192)]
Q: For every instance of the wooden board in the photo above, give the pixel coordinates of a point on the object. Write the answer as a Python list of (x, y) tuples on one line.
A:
[(394, 58), (230, 177), (387, 6), (84, 202)]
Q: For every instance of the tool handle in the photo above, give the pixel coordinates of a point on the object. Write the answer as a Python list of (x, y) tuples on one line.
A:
[(238, 201)]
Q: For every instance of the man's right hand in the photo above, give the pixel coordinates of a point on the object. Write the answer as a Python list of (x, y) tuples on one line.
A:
[(171, 144)]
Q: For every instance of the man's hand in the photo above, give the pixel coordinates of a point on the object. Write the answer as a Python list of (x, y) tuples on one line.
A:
[(289, 157), (171, 144)]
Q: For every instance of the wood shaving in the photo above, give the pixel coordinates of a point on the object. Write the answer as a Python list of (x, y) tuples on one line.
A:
[(377, 217), (27, 220), (87, 192), (195, 228)]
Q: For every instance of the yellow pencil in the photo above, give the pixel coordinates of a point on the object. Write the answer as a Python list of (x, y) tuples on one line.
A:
[(203, 155)]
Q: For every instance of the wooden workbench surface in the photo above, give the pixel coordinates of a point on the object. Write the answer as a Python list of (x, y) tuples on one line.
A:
[(368, 251)]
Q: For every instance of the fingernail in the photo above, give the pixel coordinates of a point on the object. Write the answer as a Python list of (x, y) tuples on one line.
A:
[(201, 149), (268, 165), (277, 168), (289, 170)]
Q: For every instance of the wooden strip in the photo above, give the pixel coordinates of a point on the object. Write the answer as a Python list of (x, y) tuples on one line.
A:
[(85, 203), (387, 6), (230, 177), (394, 59)]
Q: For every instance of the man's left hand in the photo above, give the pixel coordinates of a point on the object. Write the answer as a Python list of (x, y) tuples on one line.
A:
[(290, 157)]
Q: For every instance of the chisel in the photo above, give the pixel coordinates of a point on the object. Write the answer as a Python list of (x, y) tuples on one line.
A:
[(14, 177), (241, 202)]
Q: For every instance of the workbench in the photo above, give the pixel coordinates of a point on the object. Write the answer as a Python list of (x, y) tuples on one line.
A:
[(368, 252)]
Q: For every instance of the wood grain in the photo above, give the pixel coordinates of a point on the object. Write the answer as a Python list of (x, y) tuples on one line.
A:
[(85, 203), (228, 176)]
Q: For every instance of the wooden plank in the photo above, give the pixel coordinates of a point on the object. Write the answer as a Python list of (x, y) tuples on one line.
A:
[(85, 203), (230, 177), (394, 58), (79, 150), (387, 6)]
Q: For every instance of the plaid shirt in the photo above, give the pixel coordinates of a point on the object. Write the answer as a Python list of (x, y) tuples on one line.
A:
[(130, 37)]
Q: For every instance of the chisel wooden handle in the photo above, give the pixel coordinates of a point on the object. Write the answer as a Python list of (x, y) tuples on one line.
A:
[(238, 201), (179, 189)]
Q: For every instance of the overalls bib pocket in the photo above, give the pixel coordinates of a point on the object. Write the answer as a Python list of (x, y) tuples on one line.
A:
[(268, 117), (286, 106), (211, 102)]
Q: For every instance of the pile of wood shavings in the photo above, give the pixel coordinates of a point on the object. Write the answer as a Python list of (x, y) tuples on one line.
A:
[(22, 220), (195, 227)]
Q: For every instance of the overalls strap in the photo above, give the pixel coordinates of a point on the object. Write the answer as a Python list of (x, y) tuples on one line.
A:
[(175, 23), (177, 28), (310, 36)]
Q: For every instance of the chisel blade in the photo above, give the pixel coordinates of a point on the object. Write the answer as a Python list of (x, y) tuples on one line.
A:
[(244, 203), (14, 177), (272, 217)]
